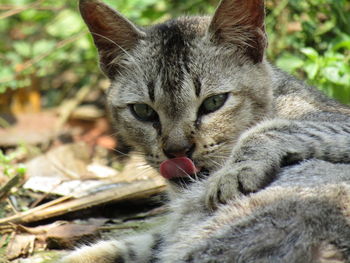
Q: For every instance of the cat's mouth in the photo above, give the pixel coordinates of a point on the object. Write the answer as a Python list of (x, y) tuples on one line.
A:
[(182, 171)]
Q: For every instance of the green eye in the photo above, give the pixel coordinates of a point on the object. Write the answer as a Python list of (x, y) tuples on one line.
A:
[(213, 103), (143, 112)]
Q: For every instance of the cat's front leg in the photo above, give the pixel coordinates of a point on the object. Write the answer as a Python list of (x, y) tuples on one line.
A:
[(265, 148), (240, 176), (136, 249)]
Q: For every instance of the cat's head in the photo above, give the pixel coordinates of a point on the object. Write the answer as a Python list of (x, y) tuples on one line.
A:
[(186, 87)]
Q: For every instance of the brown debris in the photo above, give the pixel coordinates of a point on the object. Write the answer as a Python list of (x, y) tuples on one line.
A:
[(61, 234), (135, 190), (20, 246), (31, 128)]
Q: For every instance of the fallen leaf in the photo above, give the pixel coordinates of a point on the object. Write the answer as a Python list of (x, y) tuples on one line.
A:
[(20, 246), (67, 236), (60, 234), (36, 128)]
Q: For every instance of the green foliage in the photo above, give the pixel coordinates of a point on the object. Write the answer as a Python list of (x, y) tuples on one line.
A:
[(46, 40), (318, 47), (7, 166), (49, 41)]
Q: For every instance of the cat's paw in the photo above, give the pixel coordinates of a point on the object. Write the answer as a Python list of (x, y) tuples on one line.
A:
[(236, 179), (101, 252)]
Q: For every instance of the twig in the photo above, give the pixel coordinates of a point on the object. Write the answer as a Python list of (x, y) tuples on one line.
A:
[(18, 10), (29, 63), (4, 190), (11, 7), (136, 190), (51, 203), (13, 204)]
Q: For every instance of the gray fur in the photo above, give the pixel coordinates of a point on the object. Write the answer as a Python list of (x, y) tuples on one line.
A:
[(277, 152), (287, 222)]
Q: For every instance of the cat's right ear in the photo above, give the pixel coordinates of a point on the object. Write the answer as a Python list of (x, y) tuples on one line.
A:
[(113, 34), (241, 23)]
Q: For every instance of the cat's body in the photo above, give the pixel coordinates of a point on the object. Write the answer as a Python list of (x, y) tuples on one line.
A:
[(296, 219), (200, 87), (301, 217)]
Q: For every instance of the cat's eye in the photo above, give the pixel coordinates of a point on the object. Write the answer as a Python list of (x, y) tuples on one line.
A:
[(143, 112), (213, 103)]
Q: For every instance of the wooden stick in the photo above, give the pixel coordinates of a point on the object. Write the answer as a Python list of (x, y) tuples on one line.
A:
[(135, 190), (17, 10)]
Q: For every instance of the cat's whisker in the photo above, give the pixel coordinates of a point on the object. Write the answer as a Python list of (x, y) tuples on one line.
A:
[(196, 178), (216, 164), (144, 166), (120, 152)]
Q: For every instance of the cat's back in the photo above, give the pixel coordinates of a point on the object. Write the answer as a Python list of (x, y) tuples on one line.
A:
[(293, 99), (296, 219)]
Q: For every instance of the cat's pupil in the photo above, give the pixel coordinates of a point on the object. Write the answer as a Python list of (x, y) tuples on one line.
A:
[(213, 103), (143, 112)]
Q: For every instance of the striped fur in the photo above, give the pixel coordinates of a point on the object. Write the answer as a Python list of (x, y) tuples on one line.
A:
[(277, 152)]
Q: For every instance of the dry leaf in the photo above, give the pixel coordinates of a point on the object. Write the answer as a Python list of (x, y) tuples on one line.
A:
[(20, 245)]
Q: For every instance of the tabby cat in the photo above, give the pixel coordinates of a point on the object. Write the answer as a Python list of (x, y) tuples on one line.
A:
[(257, 162)]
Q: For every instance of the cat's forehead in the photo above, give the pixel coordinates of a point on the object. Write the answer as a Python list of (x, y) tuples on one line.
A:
[(172, 44), (179, 29), (173, 65)]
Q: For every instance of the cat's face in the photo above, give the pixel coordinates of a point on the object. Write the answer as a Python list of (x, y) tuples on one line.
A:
[(176, 91)]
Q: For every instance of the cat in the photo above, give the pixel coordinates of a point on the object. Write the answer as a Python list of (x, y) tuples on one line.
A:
[(265, 158)]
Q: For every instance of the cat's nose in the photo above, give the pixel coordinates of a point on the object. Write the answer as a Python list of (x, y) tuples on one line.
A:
[(173, 151)]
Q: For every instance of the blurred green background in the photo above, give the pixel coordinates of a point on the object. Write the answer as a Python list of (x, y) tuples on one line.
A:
[(45, 46)]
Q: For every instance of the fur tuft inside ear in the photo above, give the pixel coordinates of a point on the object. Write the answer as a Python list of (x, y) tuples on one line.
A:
[(241, 23), (113, 34)]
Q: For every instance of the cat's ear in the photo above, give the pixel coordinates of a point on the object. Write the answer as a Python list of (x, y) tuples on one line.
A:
[(241, 22), (113, 34)]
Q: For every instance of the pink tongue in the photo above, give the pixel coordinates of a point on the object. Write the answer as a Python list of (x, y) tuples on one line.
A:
[(177, 167)]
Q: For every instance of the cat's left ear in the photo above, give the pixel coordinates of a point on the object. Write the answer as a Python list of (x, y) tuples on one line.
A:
[(113, 34), (241, 23)]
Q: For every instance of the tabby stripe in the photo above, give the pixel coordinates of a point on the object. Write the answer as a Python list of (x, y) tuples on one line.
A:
[(346, 129), (197, 85), (131, 252), (157, 241), (331, 128), (150, 87), (119, 259)]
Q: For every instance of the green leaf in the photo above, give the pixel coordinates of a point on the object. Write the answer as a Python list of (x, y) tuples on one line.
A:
[(289, 62), (325, 27), (5, 72), (310, 53), (23, 48), (19, 2), (67, 23), (21, 169), (343, 44), (42, 46), (334, 75), (311, 69), (14, 58)]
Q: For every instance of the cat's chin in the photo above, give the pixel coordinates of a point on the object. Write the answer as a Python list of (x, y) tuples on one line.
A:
[(185, 181)]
